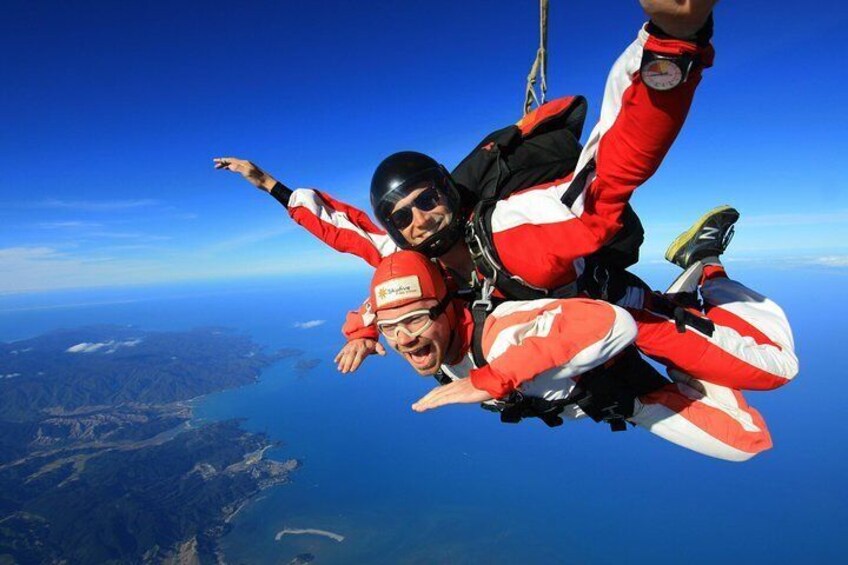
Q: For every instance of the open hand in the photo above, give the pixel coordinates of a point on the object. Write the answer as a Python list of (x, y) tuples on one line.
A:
[(250, 171), (354, 353), (458, 392), (678, 18)]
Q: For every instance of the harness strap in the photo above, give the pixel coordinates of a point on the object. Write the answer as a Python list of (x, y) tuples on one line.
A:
[(483, 255), (479, 312), (519, 407), (578, 183), (606, 394), (482, 252), (682, 317)]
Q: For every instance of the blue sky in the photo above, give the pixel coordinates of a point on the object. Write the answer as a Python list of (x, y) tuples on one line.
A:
[(111, 114)]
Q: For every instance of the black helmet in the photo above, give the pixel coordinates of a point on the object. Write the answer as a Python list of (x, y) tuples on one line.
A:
[(394, 180)]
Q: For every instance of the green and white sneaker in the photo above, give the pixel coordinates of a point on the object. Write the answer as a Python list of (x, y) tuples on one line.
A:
[(708, 237)]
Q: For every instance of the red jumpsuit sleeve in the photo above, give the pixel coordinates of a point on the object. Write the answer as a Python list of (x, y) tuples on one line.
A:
[(635, 131), (569, 336), (339, 225), (637, 141), (360, 324)]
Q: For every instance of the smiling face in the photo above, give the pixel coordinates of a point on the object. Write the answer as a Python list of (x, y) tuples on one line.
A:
[(427, 351), (429, 215)]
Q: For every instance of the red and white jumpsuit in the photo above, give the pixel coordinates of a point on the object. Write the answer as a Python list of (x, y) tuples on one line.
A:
[(752, 346), (539, 347)]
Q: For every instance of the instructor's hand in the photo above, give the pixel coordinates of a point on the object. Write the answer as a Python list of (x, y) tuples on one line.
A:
[(354, 353), (458, 392), (254, 175), (678, 18)]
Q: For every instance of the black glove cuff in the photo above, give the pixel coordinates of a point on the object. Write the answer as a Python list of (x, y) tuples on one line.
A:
[(282, 193)]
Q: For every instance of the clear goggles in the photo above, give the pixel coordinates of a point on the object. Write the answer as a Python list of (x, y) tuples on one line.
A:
[(414, 323)]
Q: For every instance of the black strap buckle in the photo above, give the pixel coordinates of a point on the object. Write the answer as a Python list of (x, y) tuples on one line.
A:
[(683, 318), (518, 407), (680, 319)]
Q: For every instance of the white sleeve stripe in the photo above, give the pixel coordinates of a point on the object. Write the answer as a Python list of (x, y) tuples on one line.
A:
[(516, 334), (535, 207), (752, 307), (673, 427), (621, 334), (619, 80), (715, 396), (312, 201)]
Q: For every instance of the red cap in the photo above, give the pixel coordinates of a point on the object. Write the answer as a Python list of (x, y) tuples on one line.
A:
[(405, 277)]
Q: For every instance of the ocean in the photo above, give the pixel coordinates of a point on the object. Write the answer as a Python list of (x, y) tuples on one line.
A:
[(457, 486)]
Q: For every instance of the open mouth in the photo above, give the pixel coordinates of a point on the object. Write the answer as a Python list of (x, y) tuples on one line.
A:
[(420, 357)]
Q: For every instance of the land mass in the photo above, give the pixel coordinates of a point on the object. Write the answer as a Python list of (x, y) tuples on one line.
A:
[(100, 461), (308, 531)]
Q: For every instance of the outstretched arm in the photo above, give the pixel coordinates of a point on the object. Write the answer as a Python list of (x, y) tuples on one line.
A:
[(344, 228)]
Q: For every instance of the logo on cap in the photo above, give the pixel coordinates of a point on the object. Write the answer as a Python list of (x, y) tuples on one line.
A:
[(395, 290)]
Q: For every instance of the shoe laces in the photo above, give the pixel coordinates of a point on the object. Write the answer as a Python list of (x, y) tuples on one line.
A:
[(728, 235)]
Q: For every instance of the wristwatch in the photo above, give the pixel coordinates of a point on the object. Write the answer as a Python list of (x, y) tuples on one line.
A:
[(664, 72)]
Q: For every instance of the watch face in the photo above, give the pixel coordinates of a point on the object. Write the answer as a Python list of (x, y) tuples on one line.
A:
[(661, 74)]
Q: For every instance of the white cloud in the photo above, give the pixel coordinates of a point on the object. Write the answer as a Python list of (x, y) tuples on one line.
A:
[(832, 261), (800, 219), (12, 254), (839, 217), (96, 205), (86, 347), (776, 261), (70, 224), (310, 324), (797, 261), (127, 235), (244, 239), (110, 346), (24, 269), (41, 268)]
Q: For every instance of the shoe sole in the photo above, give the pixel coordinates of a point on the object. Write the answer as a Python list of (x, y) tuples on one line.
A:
[(681, 240)]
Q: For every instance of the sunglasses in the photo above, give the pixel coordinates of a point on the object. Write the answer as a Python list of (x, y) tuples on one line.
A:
[(426, 201)]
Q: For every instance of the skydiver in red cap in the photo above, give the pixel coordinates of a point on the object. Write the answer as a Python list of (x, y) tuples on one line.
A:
[(544, 355)]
